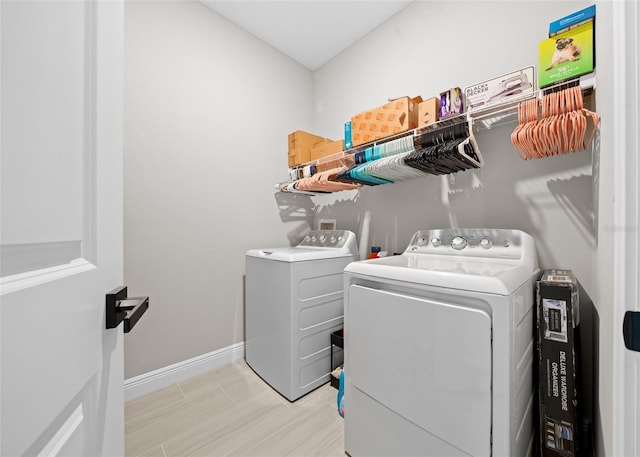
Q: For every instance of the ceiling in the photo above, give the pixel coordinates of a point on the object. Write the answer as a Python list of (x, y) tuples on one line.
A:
[(309, 31)]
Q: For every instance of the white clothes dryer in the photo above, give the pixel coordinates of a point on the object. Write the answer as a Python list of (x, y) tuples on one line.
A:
[(294, 300), (439, 345)]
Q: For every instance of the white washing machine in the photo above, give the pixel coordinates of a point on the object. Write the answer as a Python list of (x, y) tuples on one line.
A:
[(294, 300), (439, 347)]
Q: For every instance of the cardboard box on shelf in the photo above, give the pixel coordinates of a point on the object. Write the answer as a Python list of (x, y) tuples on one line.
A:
[(347, 135), (451, 103), (396, 116), (559, 386), (323, 150), (567, 55), (298, 156), (428, 111), (572, 21), (570, 51), (300, 145), (499, 89)]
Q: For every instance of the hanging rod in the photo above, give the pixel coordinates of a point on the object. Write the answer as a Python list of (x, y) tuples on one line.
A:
[(288, 188)]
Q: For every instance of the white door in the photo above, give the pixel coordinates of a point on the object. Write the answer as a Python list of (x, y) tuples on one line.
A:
[(415, 356), (626, 71), (626, 287), (61, 227)]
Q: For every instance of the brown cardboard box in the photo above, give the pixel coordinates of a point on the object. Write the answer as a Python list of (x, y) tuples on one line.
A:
[(298, 156), (451, 102), (428, 111), (323, 150), (393, 117), (300, 145)]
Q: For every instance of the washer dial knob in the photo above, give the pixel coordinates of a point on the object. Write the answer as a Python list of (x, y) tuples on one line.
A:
[(458, 243), (422, 241), (435, 241), (485, 243)]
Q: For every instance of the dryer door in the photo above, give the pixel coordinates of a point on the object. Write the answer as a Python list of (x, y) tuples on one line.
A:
[(427, 361)]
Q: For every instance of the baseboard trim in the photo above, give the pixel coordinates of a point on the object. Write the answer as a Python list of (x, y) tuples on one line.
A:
[(164, 377)]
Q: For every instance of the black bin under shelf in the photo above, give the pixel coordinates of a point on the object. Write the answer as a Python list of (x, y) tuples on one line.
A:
[(337, 339)]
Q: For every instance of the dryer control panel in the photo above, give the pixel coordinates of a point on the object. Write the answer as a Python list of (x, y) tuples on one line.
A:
[(328, 239), (496, 243)]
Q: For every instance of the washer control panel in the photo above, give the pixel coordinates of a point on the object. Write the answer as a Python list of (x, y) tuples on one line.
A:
[(326, 238), (472, 242)]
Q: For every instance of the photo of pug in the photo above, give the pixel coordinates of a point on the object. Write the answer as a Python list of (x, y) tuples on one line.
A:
[(565, 51)]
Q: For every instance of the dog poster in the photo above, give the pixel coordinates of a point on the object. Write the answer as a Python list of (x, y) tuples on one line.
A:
[(565, 56)]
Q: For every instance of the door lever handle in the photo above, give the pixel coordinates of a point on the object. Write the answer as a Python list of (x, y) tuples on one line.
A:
[(631, 330), (120, 308)]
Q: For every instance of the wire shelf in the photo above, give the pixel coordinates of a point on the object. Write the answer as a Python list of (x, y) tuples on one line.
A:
[(482, 118)]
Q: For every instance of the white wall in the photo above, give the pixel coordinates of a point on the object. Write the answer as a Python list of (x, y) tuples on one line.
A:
[(207, 111), (432, 46)]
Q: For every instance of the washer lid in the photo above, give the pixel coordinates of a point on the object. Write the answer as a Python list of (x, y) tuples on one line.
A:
[(493, 276), (494, 261), (318, 244)]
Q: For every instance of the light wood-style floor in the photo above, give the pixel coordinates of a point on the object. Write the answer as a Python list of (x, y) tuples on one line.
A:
[(232, 412)]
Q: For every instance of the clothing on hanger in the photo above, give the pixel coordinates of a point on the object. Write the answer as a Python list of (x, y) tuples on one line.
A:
[(325, 181), (446, 150)]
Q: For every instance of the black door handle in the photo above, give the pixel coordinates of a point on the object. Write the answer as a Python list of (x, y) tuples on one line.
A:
[(120, 308), (631, 330)]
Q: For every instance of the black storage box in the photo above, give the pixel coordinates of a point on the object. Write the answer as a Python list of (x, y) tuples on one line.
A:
[(558, 337), (337, 340)]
